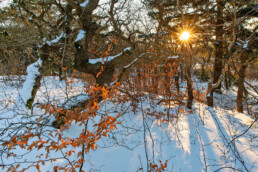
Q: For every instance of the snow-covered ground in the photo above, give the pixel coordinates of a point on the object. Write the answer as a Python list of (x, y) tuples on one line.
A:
[(206, 139)]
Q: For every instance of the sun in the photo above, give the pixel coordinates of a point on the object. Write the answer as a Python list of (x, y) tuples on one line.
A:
[(185, 35)]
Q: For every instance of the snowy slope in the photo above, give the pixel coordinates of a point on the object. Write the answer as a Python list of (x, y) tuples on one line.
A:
[(187, 144), (199, 141)]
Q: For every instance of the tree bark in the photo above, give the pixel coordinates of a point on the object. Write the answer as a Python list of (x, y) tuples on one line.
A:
[(218, 63), (227, 80), (209, 95), (177, 82), (240, 82), (43, 56), (211, 88), (189, 87)]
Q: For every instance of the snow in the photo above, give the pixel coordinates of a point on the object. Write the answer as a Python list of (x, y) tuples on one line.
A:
[(241, 40), (195, 141), (246, 44), (109, 58), (173, 57), (243, 43), (25, 93), (56, 40), (75, 101), (5, 3), (31, 17), (84, 4), (80, 35), (163, 33), (238, 43), (135, 60)]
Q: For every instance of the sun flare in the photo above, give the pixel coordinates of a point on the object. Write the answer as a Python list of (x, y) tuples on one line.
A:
[(185, 36)]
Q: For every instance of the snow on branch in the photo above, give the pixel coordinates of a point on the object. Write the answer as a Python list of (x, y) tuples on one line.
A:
[(84, 4), (243, 44), (216, 85), (109, 58), (212, 86), (135, 60), (26, 93), (246, 44), (75, 101), (173, 57), (125, 68), (80, 35), (57, 39), (249, 41)]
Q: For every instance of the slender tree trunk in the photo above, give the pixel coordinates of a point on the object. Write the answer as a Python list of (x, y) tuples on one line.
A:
[(155, 80), (218, 65), (202, 73), (210, 99), (241, 86), (175, 65), (145, 80), (167, 81), (218, 62), (177, 82), (68, 21), (188, 62), (209, 95), (227, 79), (189, 87), (138, 78), (181, 73)]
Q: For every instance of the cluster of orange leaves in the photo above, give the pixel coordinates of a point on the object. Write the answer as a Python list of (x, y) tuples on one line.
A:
[(199, 96), (87, 139), (156, 168)]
